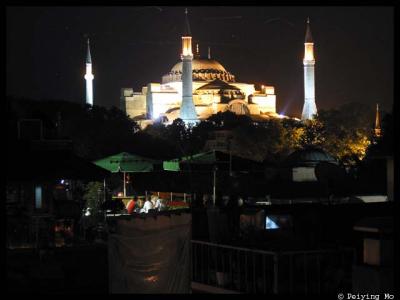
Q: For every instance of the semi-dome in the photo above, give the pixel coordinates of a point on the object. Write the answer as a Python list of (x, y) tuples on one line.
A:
[(309, 156)]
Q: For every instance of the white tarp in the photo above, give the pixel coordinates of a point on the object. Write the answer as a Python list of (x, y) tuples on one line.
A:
[(150, 254)]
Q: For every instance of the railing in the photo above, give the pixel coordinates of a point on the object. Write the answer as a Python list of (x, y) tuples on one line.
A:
[(256, 271)]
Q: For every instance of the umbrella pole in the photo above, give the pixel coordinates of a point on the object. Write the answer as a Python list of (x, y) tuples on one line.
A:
[(124, 185), (104, 186)]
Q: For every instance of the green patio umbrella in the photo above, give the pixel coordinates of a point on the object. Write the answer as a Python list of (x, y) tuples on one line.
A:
[(210, 161), (210, 158), (127, 163), (204, 158)]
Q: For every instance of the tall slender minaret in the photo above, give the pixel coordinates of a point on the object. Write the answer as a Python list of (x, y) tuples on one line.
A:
[(89, 76), (309, 108), (197, 55), (377, 128), (187, 110)]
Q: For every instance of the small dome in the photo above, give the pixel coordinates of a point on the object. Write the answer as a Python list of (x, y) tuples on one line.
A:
[(309, 156)]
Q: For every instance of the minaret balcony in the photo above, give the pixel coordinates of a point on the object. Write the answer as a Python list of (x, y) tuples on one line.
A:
[(89, 76), (308, 61), (187, 57)]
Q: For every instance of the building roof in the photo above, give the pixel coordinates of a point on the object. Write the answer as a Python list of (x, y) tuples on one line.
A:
[(375, 225), (309, 156)]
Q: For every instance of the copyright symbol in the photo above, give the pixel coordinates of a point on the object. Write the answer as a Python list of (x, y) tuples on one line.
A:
[(340, 296)]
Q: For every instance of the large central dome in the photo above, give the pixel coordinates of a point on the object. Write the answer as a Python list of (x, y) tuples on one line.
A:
[(203, 69), (200, 64)]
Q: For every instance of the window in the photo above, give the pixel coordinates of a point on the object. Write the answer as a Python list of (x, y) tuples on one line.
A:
[(38, 197), (270, 224), (278, 222)]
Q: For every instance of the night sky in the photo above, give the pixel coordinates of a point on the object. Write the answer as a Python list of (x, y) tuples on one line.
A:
[(132, 46)]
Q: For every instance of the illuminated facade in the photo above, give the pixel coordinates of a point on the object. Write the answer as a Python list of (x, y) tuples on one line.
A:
[(309, 108), (210, 89), (89, 77)]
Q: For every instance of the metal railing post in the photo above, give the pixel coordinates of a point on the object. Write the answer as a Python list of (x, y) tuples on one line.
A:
[(209, 261), (254, 274), (245, 271), (202, 262), (319, 272), (291, 272), (264, 277), (194, 261), (276, 274), (305, 273), (239, 274)]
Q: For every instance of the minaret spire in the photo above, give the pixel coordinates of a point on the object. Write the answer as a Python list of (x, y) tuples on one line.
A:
[(186, 31), (88, 56), (187, 110), (197, 50), (309, 108), (377, 129), (209, 52), (89, 76), (308, 38)]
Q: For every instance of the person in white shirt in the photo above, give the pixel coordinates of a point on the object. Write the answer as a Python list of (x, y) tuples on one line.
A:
[(146, 207), (160, 204)]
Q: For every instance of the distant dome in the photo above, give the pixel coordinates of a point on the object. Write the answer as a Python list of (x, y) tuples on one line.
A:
[(200, 64), (309, 156)]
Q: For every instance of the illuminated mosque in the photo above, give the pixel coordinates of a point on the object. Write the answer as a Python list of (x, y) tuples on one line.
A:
[(214, 90), (197, 87)]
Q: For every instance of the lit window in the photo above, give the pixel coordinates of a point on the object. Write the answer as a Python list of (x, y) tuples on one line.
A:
[(38, 197)]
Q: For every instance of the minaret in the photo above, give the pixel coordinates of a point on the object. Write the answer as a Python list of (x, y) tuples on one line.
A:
[(89, 77), (309, 108), (187, 110), (197, 55), (377, 128)]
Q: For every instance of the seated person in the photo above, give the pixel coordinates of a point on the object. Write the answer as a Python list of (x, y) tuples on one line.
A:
[(138, 206), (147, 205), (154, 200), (130, 206), (160, 205)]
